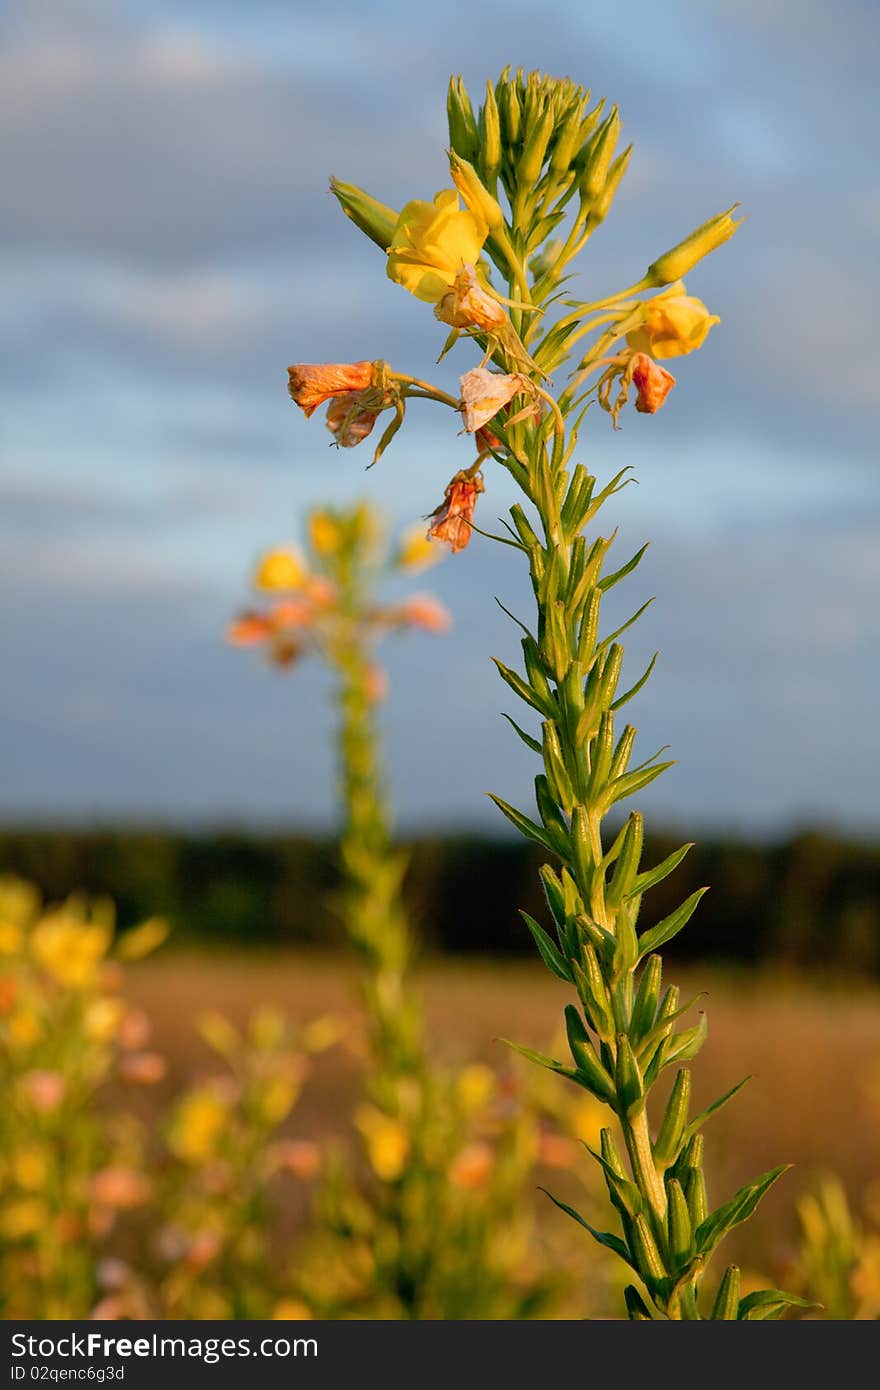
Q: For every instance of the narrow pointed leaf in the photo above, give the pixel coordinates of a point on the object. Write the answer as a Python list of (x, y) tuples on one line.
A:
[(606, 1238), (551, 956), (671, 925), (737, 1210)]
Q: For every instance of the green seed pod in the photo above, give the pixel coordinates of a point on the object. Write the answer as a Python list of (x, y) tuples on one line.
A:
[(628, 1079), (628, 860), (594, 993), (554, 764), (600, 754), (695, 1192), (581, 849), (678, 1221), (589, 629), (595, 1077), (376, 220), (549, 811), (726, 1305), (489, 161), (463, 136), (524, 529), (610, 675), (535, 670), (646, 1254), (645, 1006), (622, 753), (554, 893), (626, 945), (675, 1119)]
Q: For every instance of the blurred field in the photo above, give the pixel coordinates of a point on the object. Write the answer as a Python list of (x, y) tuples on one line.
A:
[(813, 1050)]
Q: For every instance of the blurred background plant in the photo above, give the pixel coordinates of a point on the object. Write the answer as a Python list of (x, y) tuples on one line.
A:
[(68, 1169), (439, 1222)]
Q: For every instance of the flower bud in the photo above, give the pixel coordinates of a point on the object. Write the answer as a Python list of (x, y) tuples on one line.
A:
[(463, 135), (280, 569), (535, 148), (476, 196), (490, 137), (683, 257), (376, 220), (599, 157), (602, 205)]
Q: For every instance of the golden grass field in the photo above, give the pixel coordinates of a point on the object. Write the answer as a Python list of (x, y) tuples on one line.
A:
[(813, 1049)]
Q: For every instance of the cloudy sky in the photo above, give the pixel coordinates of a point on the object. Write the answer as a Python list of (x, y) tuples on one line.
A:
[(167, 246)]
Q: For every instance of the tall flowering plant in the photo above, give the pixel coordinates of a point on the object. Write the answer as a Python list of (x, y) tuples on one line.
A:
[(444, 1228), (534, 172)]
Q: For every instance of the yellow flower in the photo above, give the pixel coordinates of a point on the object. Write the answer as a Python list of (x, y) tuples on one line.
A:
[(674, 323), (290, 1309), (24, 1028), (431, 242), (280, 569), (71, 950), (387, 1142), (30, 1167), (102, 1018), (585, 1121)]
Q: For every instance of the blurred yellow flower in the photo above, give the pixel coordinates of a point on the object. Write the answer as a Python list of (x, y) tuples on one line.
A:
[(71, 950), (19, 900), (24, 1028), (277, 1098), (475, 1085), (11, 939), (290, 1310), (102, 1018), (387, 1142), (431, 242), (280, 569), (415, 552), (586, 1118), (24, 1218), (197, 1126), (325, 533), (30, 1168), (143, 940), (674, 323)]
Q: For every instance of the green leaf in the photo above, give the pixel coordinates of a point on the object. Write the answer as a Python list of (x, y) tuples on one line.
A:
[(737, 1210), (525, 691), (610, 1242), (726, 1305), (671, 925), (699, 1120), (551, 956), (611, 579), (634, 689), (526, 738), (685, 1046), (524, 825), (636, 1308), (769, 1304), (623, 1193), (651, 877), (633, 782)]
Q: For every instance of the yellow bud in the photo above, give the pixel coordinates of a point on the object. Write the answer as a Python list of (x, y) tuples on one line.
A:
[(143, 940), (376, 220), (280, 569), (387, 1142), (683, 257), (674, 323), (475, 1085), (474, 193)]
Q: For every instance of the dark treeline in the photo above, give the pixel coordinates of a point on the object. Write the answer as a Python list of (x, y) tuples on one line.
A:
[(811, 901)]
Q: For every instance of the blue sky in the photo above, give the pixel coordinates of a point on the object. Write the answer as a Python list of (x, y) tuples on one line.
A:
[(167, 246)]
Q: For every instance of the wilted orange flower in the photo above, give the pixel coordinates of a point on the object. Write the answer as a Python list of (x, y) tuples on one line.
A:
[(45, 1089), (300, 1157), (121, 1188), (285, 651), (472, 1166), (467, 305), (484, 393), (312, 385), (375, 684), (427, 612), (452, 520), (143, 1068), (652, 382), (291, 613), (351, 418), (249, 630)]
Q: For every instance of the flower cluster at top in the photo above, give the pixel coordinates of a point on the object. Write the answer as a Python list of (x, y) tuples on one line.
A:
[(319, 599), (535, 172)]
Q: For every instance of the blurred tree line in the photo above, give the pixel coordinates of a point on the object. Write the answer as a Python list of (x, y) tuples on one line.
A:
[(811, 901)]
